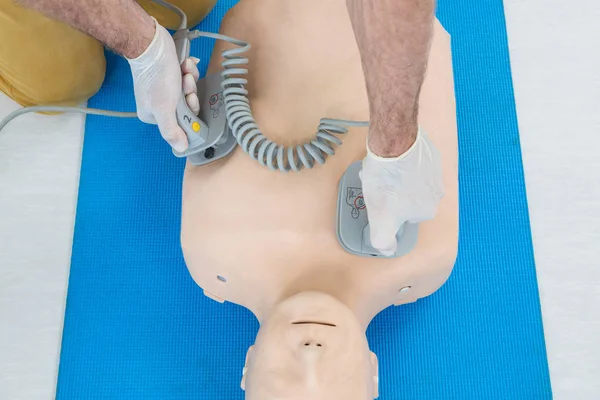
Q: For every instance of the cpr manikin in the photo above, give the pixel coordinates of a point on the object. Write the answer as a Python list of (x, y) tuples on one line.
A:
[(267, 240)]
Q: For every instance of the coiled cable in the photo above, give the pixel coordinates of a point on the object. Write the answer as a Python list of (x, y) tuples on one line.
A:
[(245, 129)]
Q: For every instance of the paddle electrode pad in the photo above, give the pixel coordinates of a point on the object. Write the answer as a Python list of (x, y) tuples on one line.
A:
[(209, 137), (353, 225)]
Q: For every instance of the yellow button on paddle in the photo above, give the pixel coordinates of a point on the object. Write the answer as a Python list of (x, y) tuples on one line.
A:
[(195, 126)]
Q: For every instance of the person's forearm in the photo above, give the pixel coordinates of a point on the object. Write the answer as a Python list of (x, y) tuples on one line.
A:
[(122, 25), (394, 38)]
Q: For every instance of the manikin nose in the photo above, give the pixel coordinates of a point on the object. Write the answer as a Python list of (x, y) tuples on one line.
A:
[(311, 351), (312, 344)]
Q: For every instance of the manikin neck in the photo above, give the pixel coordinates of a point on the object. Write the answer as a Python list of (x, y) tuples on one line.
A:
[(347, 295)]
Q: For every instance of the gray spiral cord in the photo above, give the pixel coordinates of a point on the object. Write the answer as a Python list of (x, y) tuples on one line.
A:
[(239, 114), (248, 134)]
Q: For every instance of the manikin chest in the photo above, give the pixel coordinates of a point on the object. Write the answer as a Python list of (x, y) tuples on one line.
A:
[(251, 236)]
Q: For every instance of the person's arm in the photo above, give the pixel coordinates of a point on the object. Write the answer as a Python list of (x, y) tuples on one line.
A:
[(394, 38), (402, 174), (122, 25)]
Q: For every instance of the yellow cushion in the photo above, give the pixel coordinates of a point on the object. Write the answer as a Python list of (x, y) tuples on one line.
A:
[(43, 61), (195, 10)]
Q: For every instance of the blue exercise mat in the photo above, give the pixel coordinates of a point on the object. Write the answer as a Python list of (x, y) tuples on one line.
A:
[(138, 327)]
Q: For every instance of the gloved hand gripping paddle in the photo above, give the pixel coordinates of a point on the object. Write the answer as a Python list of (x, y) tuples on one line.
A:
[(353, 225), (209, 137)]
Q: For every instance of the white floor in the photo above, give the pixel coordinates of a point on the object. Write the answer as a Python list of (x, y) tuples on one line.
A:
[(556, 73), (556, 70)]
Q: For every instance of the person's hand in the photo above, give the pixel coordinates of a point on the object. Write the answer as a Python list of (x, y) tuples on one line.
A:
[(407, 188), (157, 80)]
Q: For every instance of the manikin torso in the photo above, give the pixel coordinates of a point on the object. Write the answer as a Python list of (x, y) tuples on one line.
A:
[(252, 236), (266, 240)]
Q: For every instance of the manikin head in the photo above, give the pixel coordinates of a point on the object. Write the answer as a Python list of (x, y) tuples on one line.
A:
[(310, 347)]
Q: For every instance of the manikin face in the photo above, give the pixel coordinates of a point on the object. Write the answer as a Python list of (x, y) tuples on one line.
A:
[(311, 347)]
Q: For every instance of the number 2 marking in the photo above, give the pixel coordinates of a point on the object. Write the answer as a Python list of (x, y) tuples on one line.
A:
[(187, 118)]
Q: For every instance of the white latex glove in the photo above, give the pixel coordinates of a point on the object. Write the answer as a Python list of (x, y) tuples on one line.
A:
[(157, 83), (403, 189)]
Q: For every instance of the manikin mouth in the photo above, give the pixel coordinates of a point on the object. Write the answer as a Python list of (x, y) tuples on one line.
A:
[(313, 323)]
